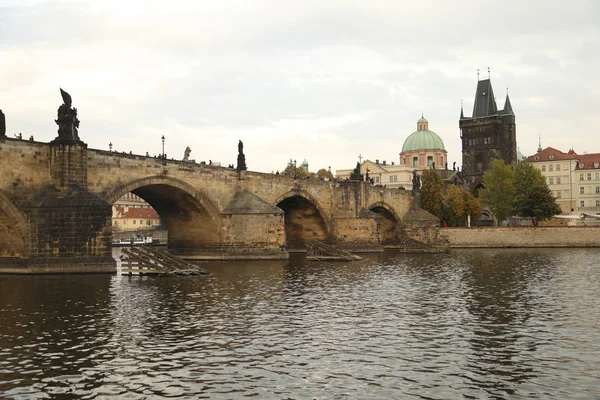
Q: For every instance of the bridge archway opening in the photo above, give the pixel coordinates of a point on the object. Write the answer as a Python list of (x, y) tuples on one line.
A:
[(175, 215), (303, 221), (389, 225)]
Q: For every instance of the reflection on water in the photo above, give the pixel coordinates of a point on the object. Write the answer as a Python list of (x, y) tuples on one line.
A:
[(474, 324)]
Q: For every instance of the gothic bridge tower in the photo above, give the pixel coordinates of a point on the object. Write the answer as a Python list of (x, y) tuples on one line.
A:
[(488, 135)]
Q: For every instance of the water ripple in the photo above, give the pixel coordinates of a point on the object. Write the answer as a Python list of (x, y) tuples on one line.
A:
[(479, 324)]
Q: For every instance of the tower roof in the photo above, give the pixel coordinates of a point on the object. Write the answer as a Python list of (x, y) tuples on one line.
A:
[(485, 103), (507, 106)]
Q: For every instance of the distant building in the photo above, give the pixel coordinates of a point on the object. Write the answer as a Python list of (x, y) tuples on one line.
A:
[(558, 169), (136, 219), (487, 135), (305, 165), (573, 179), (132, 213), (422, 149)]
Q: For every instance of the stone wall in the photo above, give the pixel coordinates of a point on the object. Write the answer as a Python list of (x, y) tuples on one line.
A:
[(522, 237), (356, 231), (25, 168)]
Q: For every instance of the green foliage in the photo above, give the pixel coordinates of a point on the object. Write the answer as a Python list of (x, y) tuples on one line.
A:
[(533, 198), (324, 174), (292, 170), (458, 204), (499, 190), (431, 192)]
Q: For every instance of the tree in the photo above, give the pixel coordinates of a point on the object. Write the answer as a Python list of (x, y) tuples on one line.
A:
[(431, 192), (533, 198), (499, 190), (458, 204), (292, 170), (324, 174)]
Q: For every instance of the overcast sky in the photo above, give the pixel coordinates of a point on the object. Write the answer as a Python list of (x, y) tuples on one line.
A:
[(324, 80)]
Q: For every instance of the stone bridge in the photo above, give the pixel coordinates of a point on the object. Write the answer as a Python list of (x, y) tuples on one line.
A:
[(56, 206)]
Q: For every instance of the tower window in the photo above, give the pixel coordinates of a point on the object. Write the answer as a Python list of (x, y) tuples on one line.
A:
[(415, 161)]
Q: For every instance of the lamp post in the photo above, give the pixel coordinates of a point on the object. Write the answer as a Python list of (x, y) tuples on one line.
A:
[(110, 146), (163, 146)]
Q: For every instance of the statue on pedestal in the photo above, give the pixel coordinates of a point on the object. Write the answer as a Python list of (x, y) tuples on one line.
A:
[(241, 159), (2, 124), (416, 182), (67, 119), (356, 175), (186, 153)]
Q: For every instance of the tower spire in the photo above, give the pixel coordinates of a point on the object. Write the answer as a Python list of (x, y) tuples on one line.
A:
[(462, 114), (540, 143)]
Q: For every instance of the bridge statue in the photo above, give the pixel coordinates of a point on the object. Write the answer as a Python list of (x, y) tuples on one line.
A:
[(416, 182), (67, 119), (186, 153), (241, 158), (2, 124)]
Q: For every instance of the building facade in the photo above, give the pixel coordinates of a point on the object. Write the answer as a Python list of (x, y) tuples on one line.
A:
[(132, 213), (487, 135), (573, 179), (422, 149)]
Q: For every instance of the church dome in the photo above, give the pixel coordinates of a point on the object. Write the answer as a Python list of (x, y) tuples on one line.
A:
[(423, 139)]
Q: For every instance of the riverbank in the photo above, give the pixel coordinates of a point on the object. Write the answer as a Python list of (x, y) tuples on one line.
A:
[(510, 237)]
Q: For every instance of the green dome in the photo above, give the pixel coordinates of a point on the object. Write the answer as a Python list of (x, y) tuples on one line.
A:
[(423, 140)]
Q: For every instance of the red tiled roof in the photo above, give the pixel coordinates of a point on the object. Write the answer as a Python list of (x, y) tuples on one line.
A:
[(137, 213), (548, 152), (589, 161)]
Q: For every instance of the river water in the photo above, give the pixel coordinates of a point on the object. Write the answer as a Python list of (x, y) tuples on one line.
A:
[(474, 324)]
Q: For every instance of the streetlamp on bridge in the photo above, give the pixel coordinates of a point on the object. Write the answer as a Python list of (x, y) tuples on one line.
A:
[(163, 149), (110, 146)]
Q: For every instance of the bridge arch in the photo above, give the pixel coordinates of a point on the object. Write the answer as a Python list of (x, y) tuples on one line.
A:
[(191, 217), (390, 222), (305, 218), (14, 229)]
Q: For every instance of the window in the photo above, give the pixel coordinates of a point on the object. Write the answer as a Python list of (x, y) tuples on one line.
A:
[(134, 221), (589, 176), (415, 161), (597, 189), (597, 176), (141, 222), (580, 177), (551, 181), (566, 193), (429, 161), (550, 167), (551, 157), (557, 167), (393, 178), (597, 203), (558, 180), (581, 190), (558, 194), (376, 179), (582, 203), (543, 168)]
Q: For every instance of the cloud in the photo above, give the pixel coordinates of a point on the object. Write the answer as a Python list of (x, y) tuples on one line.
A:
[(324, 81)]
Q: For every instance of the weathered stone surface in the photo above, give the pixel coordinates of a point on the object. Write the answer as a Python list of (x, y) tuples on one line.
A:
[(522, 237), (244, 202), (207, 209)]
